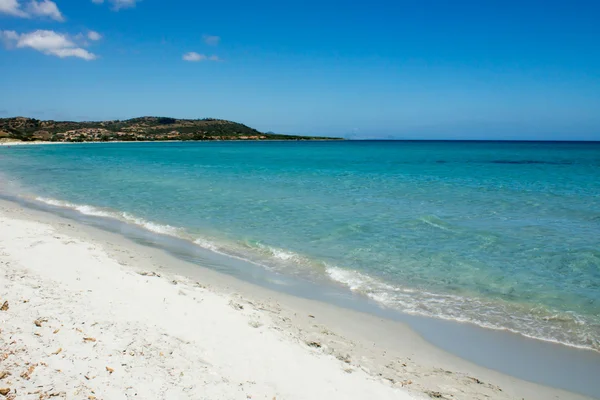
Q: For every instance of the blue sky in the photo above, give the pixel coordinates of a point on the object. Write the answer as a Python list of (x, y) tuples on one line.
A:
[(405, 69)]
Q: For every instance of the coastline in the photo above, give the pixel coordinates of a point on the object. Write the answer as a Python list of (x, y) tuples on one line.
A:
[(380, 350), (39, 143)]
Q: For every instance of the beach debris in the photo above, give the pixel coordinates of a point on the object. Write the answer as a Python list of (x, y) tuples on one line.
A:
[(311, 316), (434, 395), (5, 391), (4, 374), (405, 383), (38, 322), (57, 351), (4, 306), (236, 306), (89, 339), (56, 331), (345, 358), (110, 370), (27, 374), (475, 380), (314, 344), (149, 273)]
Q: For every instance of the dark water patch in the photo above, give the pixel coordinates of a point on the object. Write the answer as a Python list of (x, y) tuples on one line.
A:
[(511, 162), (525, 162)]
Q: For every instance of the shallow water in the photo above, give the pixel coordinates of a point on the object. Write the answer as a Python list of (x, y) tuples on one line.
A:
[(502, 235)]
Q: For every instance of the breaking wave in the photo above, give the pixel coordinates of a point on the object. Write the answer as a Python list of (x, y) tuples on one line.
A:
[(121, 216), (527, 320)]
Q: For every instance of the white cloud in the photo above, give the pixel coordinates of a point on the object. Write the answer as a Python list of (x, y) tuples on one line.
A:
[(93, 35), (12, 7), (45, 8), (211, 40), (118, 4), (9, 38), (193, 56), (74, 52), (46, 42)]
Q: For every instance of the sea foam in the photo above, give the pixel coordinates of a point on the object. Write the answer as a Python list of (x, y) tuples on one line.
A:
[(85, 209)]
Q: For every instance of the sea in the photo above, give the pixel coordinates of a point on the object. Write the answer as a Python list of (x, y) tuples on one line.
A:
[(502, 235)]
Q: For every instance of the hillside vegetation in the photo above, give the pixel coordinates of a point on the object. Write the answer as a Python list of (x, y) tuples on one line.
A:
[(136, 129)]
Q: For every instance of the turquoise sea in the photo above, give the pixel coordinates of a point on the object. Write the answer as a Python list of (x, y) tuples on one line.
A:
[(504, 235)]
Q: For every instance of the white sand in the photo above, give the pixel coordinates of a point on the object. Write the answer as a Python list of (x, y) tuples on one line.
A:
[(109, 328), (163, 340), (17, 142)]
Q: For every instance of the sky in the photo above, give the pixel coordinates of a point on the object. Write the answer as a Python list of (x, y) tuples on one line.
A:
[(481, 69)]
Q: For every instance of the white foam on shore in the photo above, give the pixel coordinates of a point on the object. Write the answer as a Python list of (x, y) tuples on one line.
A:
[(206, 244), (162, 229), (283, 255), (121, 216), (84, 209), (277, 253), (485, 314)]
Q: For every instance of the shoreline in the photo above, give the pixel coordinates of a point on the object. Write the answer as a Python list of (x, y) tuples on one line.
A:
[(378, 343), (39, 143), (111, 219)]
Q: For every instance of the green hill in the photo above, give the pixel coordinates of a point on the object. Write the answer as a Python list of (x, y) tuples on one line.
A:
[(136, 129)]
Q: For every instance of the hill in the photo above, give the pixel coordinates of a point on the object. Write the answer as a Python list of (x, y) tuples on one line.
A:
[(136, 129)]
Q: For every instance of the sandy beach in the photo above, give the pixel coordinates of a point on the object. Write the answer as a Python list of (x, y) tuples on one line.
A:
[(299, 201), (13, 142), (88, 314), (40, 142)]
